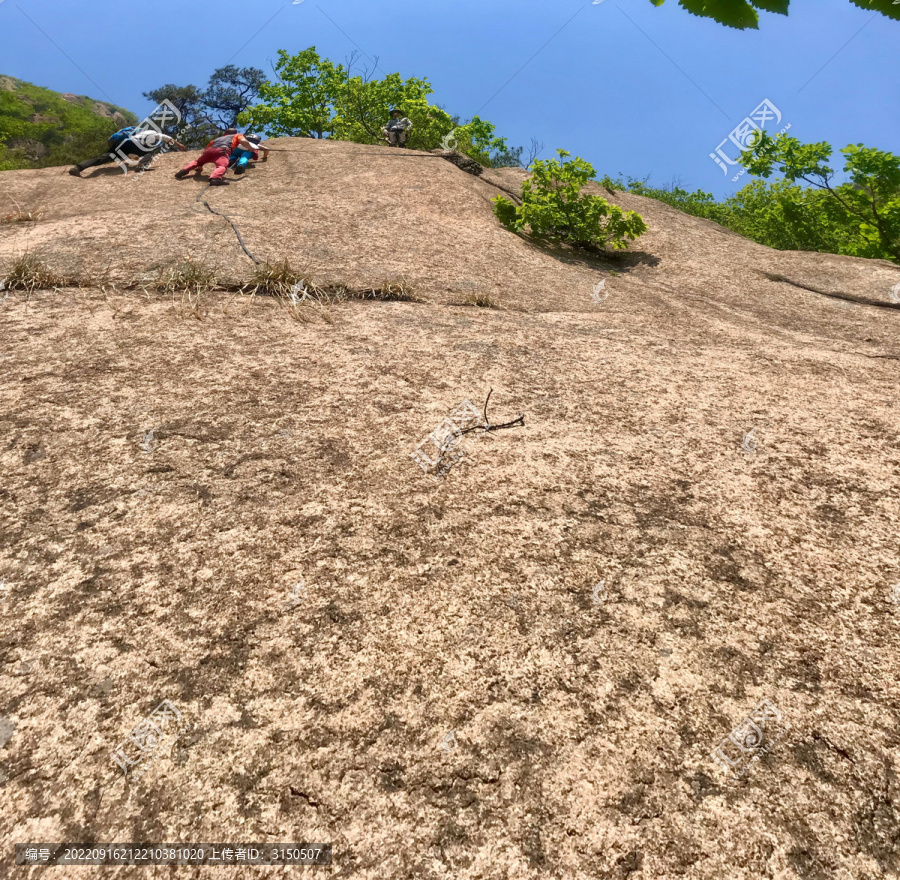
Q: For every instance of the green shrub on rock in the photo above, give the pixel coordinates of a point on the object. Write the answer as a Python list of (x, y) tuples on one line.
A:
[(554, 208)]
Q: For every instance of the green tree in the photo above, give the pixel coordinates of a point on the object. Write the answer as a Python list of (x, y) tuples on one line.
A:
[(480, 141), (316, 98), (304, 100), (698, 203), (204, 113), (781, 215), (787, 217), (231, 91), (364, 106), (196, 128), (554, 208), (511, 157), (743, 14), (868, 201)]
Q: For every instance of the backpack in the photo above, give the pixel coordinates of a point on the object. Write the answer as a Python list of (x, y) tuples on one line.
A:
[(234, 142), (121, 135)]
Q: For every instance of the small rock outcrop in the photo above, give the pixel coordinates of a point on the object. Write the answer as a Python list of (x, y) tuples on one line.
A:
[(461, 160)]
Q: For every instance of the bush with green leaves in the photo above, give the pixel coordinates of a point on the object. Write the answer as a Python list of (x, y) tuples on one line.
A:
[(554, 208)]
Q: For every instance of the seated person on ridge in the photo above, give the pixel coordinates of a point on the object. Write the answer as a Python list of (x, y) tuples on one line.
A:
[(397, 129)]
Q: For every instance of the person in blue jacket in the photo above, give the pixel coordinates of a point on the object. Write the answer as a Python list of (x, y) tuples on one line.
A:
[(240, 159)]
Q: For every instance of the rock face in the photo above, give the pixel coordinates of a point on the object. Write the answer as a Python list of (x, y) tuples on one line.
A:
[(522, 670)]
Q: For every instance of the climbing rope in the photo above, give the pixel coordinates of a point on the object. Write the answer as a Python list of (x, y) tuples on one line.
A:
[(237, 231), (414, 154), (411, 155), (404, 151)]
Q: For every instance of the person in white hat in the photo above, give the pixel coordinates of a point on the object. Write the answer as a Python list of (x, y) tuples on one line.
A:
[(397, 128)]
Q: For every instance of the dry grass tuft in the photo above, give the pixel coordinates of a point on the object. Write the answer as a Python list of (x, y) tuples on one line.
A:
[(308, 296), (311, 290), (28, 273), (310, 312), (191, 304), (297, 291), (337, 291), (189, 276), (307, 303), (21, 217), (389, 291), (273, 279), (482, 300)]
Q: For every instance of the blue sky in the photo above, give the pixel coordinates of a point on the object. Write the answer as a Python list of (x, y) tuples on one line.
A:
[(633, 89)]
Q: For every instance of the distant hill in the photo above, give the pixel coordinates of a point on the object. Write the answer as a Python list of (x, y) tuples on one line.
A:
[(40, 127)]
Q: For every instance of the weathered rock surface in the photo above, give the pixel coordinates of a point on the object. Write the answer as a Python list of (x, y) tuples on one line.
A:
[(519, 671)]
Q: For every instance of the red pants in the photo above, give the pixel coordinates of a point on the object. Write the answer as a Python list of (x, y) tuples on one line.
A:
[(218, 157)]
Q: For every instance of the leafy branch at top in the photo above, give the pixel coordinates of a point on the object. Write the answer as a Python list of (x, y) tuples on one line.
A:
[(742, 14)]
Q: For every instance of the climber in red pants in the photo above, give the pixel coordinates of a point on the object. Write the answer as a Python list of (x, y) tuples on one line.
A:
[(218, 152)]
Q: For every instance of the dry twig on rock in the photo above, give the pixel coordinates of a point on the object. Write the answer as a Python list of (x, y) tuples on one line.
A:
[(449, 454)]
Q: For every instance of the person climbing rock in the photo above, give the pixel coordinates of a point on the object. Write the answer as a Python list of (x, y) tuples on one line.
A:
[(397, 129), (130, 142), (240, 159), (218, 151)]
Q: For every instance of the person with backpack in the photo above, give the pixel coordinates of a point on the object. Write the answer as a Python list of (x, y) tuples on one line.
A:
[(240, 159), (130, 141), (397, 128), (218, 151)]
